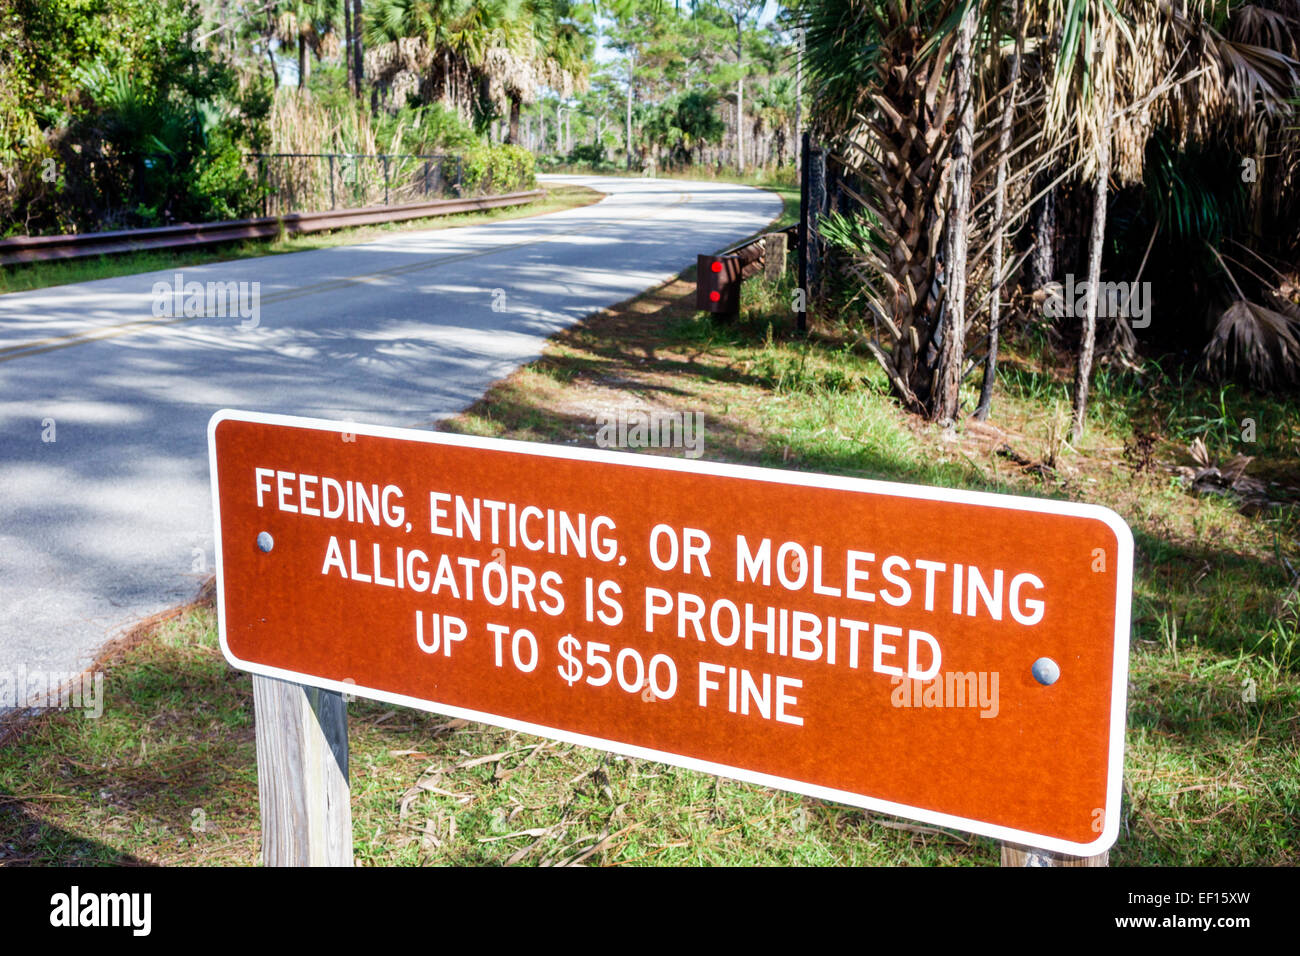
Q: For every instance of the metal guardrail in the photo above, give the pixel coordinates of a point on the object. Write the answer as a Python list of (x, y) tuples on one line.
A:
[(21, 249), (742, 247)]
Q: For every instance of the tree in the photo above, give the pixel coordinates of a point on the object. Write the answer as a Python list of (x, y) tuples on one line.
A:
[(630, 31), (686, 123), (141, 122), (775, 107), (740, 12), (999, 212), (1100, 79), (952, 341), (305, 25), (483, 59), (887, 63)]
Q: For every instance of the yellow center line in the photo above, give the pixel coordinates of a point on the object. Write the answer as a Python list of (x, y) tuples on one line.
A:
[(41, 346)]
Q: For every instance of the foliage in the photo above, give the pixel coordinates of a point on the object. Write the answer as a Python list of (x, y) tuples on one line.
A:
[(332, 121), (113, 117), (501, 168), (685, 124), (1184, 106), (671, 94), (590, 154), (485, 58)]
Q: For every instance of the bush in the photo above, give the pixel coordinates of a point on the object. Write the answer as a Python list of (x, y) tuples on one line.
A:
[(498, 169), (590, 154), (122, 127)]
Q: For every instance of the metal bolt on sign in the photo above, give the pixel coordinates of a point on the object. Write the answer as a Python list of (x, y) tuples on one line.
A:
[(1046, 671)]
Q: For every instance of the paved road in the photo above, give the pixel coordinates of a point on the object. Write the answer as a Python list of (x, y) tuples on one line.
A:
[(111, 520)]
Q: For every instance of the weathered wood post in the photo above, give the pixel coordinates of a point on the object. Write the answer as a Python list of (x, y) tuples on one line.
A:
[(302, 774), (1014, 855), (774, 250)]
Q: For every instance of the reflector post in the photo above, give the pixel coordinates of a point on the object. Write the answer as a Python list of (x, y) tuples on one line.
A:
[(717, 284)]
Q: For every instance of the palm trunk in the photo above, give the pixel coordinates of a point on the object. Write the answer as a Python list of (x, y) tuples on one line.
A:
[(358, 56), (513, 135), (347, 45), (304, 61), (1042, 260), (270, 56), (999, 227), (1096, 244), (944, 404)]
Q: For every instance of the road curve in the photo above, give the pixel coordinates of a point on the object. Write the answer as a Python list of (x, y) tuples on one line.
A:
[(110, 521)]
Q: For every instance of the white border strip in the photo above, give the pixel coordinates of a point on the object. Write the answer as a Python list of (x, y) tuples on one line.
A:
[(1123, 600)]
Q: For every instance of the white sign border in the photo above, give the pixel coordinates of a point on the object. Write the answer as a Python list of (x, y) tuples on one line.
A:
[(1123, 601)]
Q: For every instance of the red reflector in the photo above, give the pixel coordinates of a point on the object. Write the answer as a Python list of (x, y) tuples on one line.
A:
[(714, 296), (717, 267)]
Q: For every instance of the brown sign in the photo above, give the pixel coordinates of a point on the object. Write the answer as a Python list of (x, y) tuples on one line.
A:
[(953, 657)]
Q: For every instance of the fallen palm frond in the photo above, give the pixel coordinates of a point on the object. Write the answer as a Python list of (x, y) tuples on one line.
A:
[(1208, 477), (1256, 342)]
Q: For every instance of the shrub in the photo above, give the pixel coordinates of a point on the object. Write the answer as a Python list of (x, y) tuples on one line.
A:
[(498, 169), (122, 127), (589, 154)]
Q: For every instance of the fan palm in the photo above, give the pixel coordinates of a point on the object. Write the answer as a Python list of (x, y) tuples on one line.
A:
[(1098, 79), (774, 110), (307, 25), (503, 49), (879, 78)]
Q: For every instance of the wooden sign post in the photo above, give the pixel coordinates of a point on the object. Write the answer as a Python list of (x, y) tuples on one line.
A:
[(952, 657), (302, 774), (1013, 855)]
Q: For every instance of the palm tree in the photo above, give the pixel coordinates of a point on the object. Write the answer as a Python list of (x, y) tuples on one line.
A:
[(945, 403), (1158, 62), (1006, 126), (494, 54), (1097, 79), (878, 76), (774, 108), (307, 24)]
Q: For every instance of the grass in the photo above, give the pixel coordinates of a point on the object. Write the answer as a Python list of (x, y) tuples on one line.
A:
[(1212, 772), (39, 275), (168, 776)]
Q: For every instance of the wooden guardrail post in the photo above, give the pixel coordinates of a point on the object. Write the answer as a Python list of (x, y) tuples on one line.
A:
[(774, 251), (1015, 855), (302, 774)]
